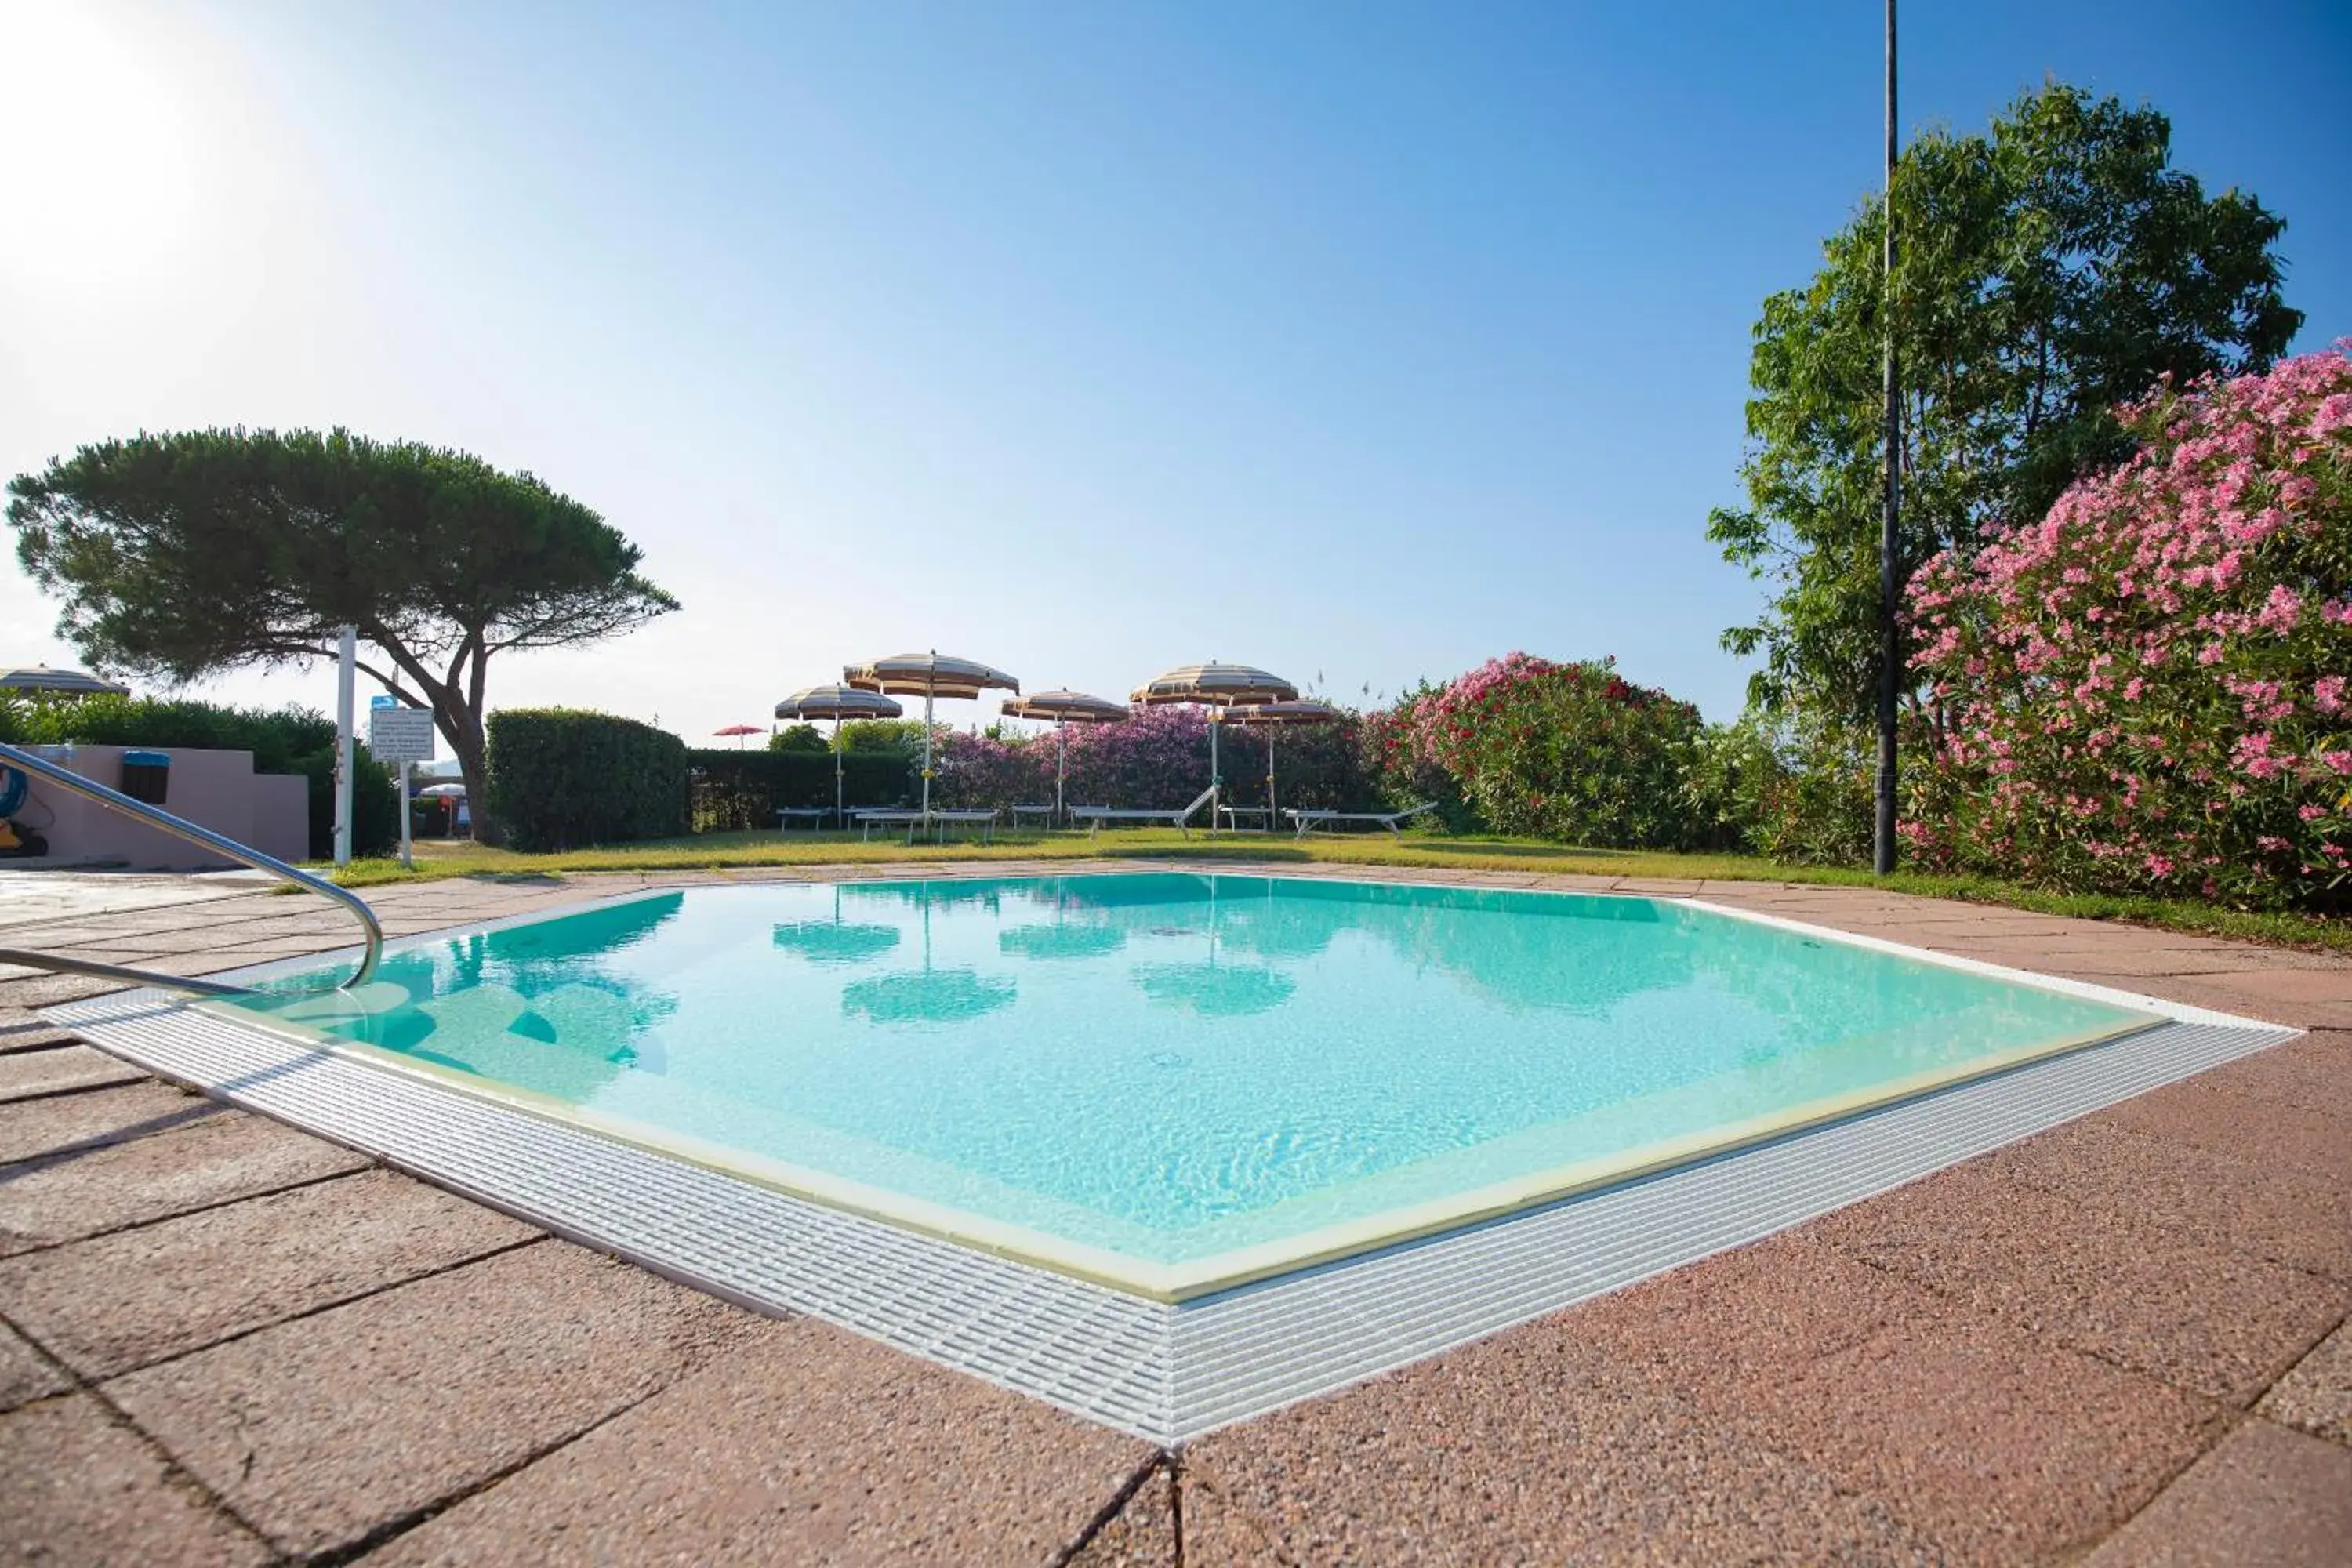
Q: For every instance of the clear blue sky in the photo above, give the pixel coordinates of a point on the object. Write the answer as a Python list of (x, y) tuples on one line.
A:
[(1364, 341)]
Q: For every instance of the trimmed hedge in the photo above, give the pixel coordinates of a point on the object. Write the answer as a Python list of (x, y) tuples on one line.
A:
[(282, 740), (739, 791), (563, 778)]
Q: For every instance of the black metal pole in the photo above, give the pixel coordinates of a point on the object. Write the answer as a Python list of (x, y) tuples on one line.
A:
[(1890, 651)]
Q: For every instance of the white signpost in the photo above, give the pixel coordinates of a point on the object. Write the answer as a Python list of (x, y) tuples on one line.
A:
[(401, 736)]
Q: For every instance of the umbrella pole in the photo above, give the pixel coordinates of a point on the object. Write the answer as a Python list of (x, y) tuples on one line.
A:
[(1270, 818), (1061, 768), (927, 754), (840, 818), (1216, 797)]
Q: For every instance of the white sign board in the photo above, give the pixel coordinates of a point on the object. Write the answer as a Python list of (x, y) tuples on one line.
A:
[(400, 734)]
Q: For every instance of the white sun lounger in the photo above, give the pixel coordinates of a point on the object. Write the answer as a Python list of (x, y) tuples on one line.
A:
[(1179, 818), (872, 817), (1324, 816)]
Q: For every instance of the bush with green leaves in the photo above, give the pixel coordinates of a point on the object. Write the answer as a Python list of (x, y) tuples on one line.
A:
[(2149, 690), (734, 791), (282, 740), (563, 778), (1570, 751)]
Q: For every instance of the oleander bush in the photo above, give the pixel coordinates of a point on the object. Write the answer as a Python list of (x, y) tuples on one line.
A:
[(564, 778), (2145, 689), (1570, 751), (282, 740)]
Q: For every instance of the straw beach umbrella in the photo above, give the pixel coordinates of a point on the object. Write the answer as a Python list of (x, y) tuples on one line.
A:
[(1063, 708), (836, 703), (933, 676), (1271, 717), (1214, 685)]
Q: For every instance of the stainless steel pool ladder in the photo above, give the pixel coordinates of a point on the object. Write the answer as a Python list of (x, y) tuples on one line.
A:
[(65, 778)]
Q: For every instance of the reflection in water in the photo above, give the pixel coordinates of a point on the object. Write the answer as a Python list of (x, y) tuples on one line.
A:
[(1526, 958), (1214, 991), (1060, 940), (944, 895), (822, 941), (535, 1005), (927, 997)]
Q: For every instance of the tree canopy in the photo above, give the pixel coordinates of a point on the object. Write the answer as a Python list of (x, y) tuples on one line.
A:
[(184, 554), (2048, 269)]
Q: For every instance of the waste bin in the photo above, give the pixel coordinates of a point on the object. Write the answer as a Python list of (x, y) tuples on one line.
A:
[(147, 776)]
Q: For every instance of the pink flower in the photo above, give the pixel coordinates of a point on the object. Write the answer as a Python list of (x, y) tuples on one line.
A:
[(2327, 693), (2158, 866)]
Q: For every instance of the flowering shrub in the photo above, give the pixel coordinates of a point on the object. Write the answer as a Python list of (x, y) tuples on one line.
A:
[(1570, 751), (985, 771), (2147, 688)]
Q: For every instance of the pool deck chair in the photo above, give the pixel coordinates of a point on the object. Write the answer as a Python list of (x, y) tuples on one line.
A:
[(1324, 816), (886, 817), (1179, 818), (985, 821)]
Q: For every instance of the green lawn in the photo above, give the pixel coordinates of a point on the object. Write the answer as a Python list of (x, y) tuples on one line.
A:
[(1477, 852)]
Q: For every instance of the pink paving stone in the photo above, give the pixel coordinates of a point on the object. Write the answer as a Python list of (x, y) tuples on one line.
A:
[(74, 1194), (326, 1428), (2214, 1322), (2004, 1451), (2208, 1111), (57, 1070), (136, 1296), (2315, 1396), (2265, 1498), (1143, 1533), (36, 1127), (24, 1374), (1520, 1448), (807, 1445), (76, 1487), (2214, 1200)]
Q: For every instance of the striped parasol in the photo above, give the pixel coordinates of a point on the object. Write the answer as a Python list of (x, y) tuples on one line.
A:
[(1065, 707), (1271, 717), (836, 703), (935, 676), (1215, 685)]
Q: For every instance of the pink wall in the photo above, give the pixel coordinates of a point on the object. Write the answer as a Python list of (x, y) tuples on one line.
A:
[(218, 790)]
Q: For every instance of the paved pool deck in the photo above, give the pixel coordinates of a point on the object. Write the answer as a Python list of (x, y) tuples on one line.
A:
[(2123, 1341)]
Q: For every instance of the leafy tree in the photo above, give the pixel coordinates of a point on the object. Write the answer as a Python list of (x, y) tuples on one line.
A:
[(2048, 271), (180, 555), (799, 738)]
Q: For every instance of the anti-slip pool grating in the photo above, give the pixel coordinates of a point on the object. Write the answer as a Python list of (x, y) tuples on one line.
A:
[(1164, 1373)]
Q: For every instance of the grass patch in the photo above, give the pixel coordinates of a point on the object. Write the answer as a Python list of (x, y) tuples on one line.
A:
[(437, 859)]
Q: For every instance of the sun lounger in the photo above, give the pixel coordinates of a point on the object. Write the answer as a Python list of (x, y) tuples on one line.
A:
[(887, 817), (1324, 816), (1179, 818), (985, 820)]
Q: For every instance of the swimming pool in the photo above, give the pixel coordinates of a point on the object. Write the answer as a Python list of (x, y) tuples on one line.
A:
[(1174, 1083)]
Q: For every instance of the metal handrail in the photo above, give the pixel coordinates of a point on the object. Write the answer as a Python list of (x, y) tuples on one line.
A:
[(15, 757)]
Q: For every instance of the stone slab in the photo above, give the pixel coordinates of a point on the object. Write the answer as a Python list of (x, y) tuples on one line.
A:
[(2213, 1200), (59, 1069), (2210, 1112), (24, 1376), (121, 1300), (2215, 1322), (77, 1487), (2264, 1498), (808, 1446), (2315, 1396), (1526, 1447), (79, 1193), (322, 1430), (36, 1127), (1142, 1534)]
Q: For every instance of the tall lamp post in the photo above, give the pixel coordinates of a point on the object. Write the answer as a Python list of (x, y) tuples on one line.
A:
[(1890, 651)]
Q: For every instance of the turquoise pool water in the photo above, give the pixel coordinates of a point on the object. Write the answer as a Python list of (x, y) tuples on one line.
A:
[(1167, 1068)]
